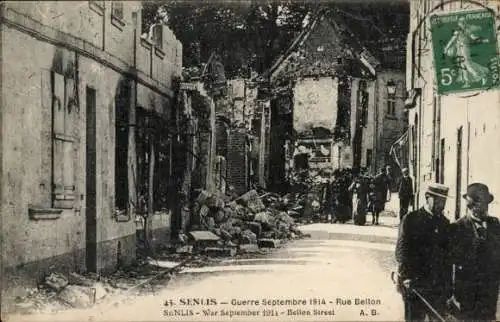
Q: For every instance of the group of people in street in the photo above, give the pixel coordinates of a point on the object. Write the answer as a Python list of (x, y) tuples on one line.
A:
[(370, 194), (365, 194), (336, 197), (448, 269)]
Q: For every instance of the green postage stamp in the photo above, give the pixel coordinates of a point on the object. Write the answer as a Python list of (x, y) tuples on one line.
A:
[(465, 51)]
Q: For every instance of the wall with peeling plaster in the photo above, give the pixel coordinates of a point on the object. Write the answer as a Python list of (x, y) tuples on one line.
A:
[(104, 56), (315, 103)]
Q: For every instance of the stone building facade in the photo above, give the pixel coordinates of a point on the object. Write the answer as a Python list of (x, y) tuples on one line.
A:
[(391, 120), (86, 108), (453, 136)]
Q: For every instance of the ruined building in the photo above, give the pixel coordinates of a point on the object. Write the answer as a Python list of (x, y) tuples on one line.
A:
[(335, 104)]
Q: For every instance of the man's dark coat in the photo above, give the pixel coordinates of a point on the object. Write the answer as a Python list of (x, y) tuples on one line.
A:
[(382, 184), (405, 190), (477, 268), (421, 251), (405, 193)]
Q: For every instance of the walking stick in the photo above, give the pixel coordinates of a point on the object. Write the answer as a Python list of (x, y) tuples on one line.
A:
[(414, 291), (429, 306)]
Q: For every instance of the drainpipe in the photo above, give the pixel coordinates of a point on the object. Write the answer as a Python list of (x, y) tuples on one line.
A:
[(151, 177), (132, 120), (104, 28)]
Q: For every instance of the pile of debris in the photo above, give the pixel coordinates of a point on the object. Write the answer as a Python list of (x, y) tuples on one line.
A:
[(225, 227), (59, 291)]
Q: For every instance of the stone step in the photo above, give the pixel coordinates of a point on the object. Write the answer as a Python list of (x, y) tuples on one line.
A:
[(203, 236), (248, 248), (268, 243), (220, 251)]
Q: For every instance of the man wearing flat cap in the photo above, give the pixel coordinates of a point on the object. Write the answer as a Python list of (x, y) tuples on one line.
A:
[(475, 253), (424, 269)]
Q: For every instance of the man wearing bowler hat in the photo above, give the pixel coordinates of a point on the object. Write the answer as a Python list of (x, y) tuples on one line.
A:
[(424, 269), (475, 252)]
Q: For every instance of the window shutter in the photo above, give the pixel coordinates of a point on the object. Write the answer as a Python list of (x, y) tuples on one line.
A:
[(69, 144), (63, 160), (46, 139), (69, 107), (58, 161), (58, 104), (69, 182), (58, 133), (117, 9)]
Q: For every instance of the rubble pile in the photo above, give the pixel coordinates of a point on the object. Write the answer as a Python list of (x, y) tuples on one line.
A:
[(76, 290), (36, 299), (250, 219), (60, 291)]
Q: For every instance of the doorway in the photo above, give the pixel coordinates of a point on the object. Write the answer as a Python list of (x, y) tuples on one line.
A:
[(458, 200), (90, 170)]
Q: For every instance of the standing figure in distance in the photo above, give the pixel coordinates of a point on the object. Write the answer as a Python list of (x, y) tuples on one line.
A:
[(405, 193), (382, 191), (359, 190), (475, 252), (421, 252)]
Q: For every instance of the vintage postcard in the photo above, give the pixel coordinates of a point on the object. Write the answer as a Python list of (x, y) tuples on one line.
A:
[(223, 160)]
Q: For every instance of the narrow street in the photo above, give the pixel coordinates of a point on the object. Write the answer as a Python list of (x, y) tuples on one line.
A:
[(342, 273)]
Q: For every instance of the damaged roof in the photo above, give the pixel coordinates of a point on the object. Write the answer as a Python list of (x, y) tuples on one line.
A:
[(325, 47), (383, 33)]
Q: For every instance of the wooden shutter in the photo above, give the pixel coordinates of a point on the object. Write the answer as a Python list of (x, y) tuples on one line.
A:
[(58, 134), (45, 197), (62, 143), (69, 142), (117, 9)]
